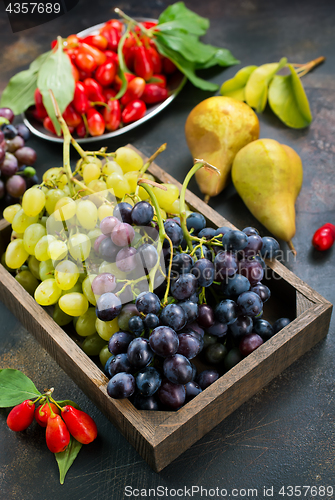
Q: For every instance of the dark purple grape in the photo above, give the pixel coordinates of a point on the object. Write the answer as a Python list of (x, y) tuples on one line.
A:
[(142, 213), (280, 324), (121, 386), (16, 186), (209, 340), (221, 231), (262, 290), (103, 283), (261, 261), (206, 378), (9, 131), (189, 345), (192, 390), (107, 250), (164, 341), (204, 271), (191, 310), (122, 212), (215, 353), (235, 285), (208, 233), (13, 144), (151, 321), (226, 311), (263, 328), (7, 113), (207, 254), (139, 353), (108, 224), (119, 342), (148, 381), (174, 232), (97, 242), (184, 286), (148, 255), (106, 367), (127, 259), (250, 303), (9, 165), (2, 189), (108, 307), (249, 343), (173, 316), (234, 240), (270, 248), (26, 155), (218, 329), (136, 325), (128, 311), (142, 403), (241, 327), (250, 230), (233, 357), (23, 131), (182, 263), (196, 328), (251, 269), (177, 369), (148, 302), (253, 246), (171, 395), (225, 264), (205, 316), (195, 221), (119, 363)]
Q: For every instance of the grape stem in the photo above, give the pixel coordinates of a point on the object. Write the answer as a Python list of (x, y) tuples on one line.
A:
[(148, 163)]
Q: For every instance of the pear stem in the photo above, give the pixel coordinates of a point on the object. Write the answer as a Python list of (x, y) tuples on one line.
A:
[(207, 198), (305, 68), (291, 247)]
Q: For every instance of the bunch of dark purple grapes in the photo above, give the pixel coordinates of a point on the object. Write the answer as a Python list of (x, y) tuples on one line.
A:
[(161, 355), (16, 159)]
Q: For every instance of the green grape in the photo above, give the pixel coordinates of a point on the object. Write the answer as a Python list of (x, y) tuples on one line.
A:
[(47, 292), (10, 212), (93, 344), (128, 159), (15, 236), (3, 262), (28, 281), (55, 176), (106, 328), (118, 185), (87, 289), (142, 192), (42, 247), (60, 317), (111, 267), (16, 254), (65, 209), (166, 198), (52, 198), (132, 180), (85, 324), (127, 312), (87, 214), (104, 355), (66, 274), (79, 246), (43, 221), (21, 221), (33, 201), (34, 266), (105, 211), (76, 288), (66, 190), (110, 167), (93, 234), (97, 186), (32, 236), (91, 172), (73, 304), (57, 250), (46, 270)]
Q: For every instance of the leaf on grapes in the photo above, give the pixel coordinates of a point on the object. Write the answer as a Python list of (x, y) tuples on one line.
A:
[(65, 402), (256, 89), (288, 100), (235, 87), (56, 75), (66, 458), (19, 93), (180, 17), (15, 387)]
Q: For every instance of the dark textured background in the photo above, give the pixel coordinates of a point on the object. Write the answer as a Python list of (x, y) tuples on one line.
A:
[(285, 434)]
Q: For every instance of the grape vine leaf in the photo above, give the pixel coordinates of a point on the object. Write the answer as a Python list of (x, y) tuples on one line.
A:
[(66, 458), (56, 75), (288, 100), (235, 87), (15, 387), (19, 93), (256, 89)]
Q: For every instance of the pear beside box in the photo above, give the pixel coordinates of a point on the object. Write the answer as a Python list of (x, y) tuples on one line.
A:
[(160, 437)]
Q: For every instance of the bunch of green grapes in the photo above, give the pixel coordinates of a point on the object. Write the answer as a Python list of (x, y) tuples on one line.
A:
[(53, 234)]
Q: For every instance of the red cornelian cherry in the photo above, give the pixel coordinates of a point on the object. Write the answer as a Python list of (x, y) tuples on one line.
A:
[(80, 424), (21, 416), (324, 237), (42, 413), (57, 435)]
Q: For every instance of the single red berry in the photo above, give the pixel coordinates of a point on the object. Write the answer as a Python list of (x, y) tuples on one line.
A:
[(95, 122), (81, 426), (21, 416), (57, 435), (42, 413), (133, 111), (324, 237)]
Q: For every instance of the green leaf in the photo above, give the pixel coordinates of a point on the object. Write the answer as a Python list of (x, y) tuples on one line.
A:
[(66, 458), (19, 93), (122, 65), (56, 75), (221, 57), (185, 25), (188, 46), (65, 402), (256, 89), (288, 100), (191, 21), (15, 387), (235, 87)]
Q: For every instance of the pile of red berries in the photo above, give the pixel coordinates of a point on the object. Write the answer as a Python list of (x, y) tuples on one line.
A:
[(95, 65)]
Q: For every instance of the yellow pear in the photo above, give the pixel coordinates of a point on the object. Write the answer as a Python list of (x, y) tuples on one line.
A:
[(216, 129), (268, 177)]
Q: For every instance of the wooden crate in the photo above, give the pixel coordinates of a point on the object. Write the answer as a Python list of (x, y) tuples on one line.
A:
[(160, 437)]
